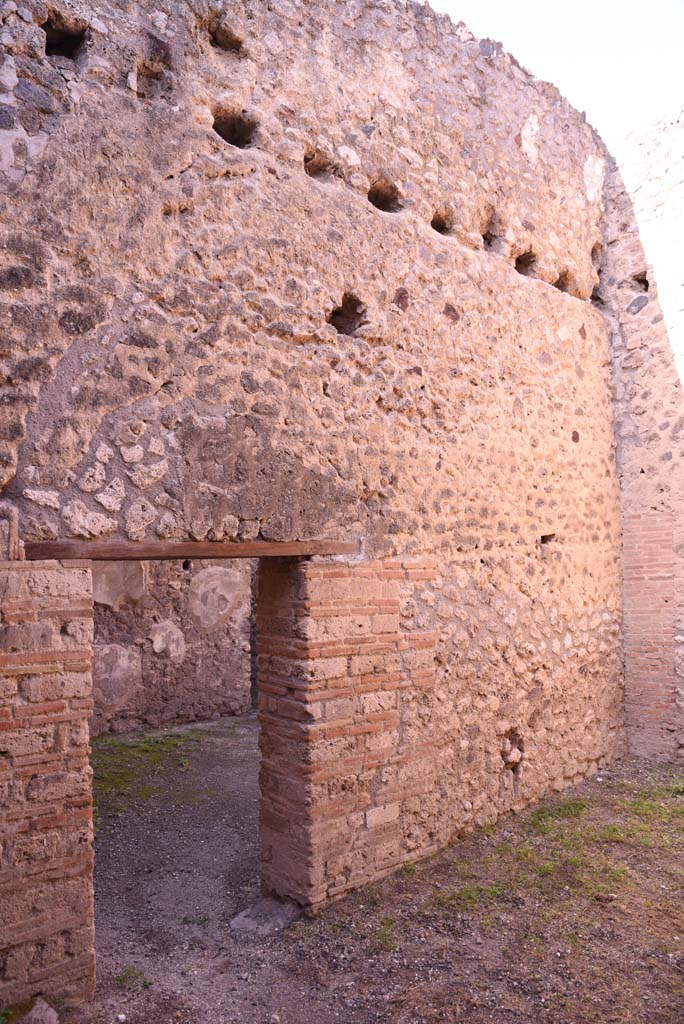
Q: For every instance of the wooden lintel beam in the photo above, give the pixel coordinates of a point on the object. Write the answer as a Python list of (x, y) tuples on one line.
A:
[(120, 551)]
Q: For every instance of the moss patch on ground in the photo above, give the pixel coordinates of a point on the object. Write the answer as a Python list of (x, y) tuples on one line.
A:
[(132, 979), (14, 1013), (130, 768)]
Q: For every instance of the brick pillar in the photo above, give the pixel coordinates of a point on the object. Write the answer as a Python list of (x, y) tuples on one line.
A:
[(651, 712), (46, 859), (333, 665)]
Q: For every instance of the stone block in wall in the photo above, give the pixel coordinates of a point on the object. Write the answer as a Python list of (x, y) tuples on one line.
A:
[(46, 894), (117, 678), (118, 584)]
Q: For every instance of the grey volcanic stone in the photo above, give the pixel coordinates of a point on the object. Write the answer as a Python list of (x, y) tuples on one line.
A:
[(265, 917)]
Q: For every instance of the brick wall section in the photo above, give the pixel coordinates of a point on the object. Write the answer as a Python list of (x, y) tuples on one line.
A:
[(46, 897), (648, 423), (334, 664), (649, 622)]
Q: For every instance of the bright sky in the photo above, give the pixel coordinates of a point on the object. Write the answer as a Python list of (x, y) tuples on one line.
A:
[(621, 61)]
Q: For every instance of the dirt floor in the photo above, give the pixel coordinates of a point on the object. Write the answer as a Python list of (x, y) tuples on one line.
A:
[(572, 912)]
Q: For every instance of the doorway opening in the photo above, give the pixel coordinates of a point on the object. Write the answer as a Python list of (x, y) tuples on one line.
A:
[(175, 760), (308, 666)]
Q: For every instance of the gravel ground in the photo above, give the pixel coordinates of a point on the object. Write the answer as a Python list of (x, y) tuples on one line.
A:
[(571, 913)]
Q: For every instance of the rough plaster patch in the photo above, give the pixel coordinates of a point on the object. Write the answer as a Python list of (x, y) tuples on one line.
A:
[(528, 135), (117, 672), (118, 583), (167, 638), (594, 173), (215, 595)]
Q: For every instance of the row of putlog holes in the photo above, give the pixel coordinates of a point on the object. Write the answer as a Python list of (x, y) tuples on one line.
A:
[(67, 41), (239, 129), (62, 40)]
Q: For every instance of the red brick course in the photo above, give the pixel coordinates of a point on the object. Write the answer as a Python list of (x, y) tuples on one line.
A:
[(649, 632), (358, 768), (46, 859), (330, 715)]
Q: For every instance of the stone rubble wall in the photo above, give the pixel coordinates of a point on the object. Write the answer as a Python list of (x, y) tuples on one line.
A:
[(367, 760), (176, 369), (172, 643), (641, 294), (46, 858), (292, 271), (235, 341)]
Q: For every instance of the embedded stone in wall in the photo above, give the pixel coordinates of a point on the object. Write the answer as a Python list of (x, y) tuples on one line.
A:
[(119, 583), (117, 678), (215, 596)]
